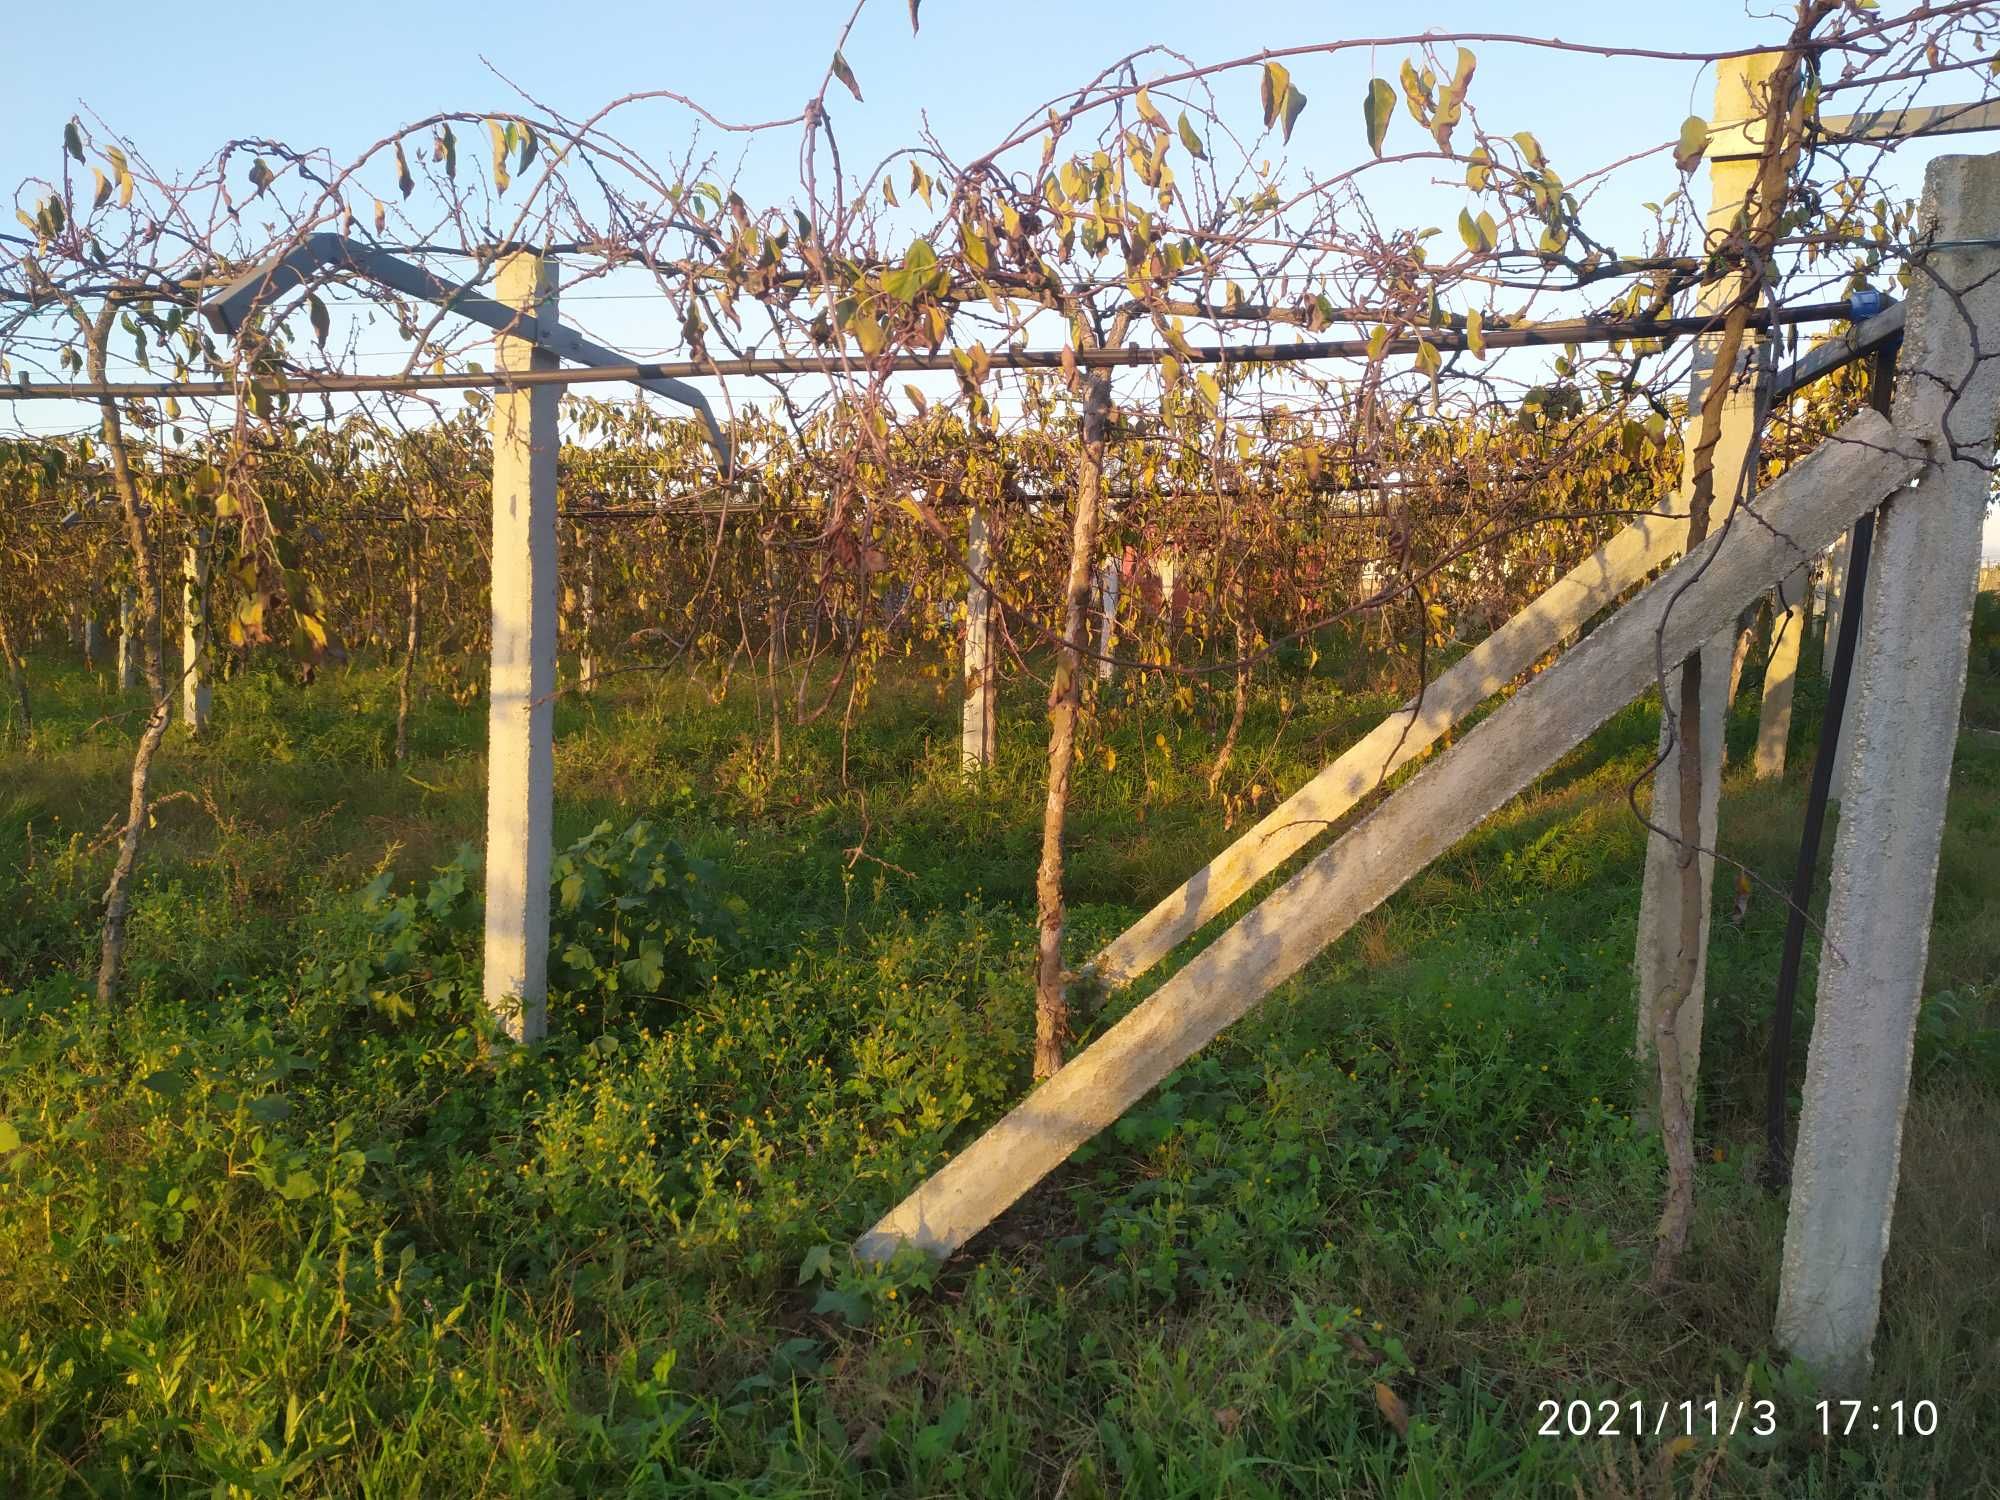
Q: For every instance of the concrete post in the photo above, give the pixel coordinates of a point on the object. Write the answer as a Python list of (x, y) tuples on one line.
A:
[(1107, 630), (93, 641), (1903, 714), (1659, 893), (976, 725), (1834, 572), (195, 634), (128, 644), (1165, 567), (1781, 670), (1746, 637), (1739, 89), (520, 733), (586, 662)]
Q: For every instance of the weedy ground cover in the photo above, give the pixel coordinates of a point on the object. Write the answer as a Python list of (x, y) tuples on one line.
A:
[(289, 1221)]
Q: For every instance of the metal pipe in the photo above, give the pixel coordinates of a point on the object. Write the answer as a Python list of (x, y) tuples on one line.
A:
[(1445, 340)]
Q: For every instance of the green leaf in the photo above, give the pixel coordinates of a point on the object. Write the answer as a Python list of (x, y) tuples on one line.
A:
[(1475, 334), (1291, 107), (404, 181), (1210, 391), (321, 324), (1693, 143), (10, 1138), (1377, 108), (73, 140), (298, 1185), (846, 75), (819, 1260), (1191, 140), (851, 1307)]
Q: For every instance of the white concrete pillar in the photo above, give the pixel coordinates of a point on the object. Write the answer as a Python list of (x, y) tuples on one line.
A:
[(520, 733), (1107, 630), (1903, 712), (128, 644), (1739, 90), (586, 662), (1781, 671), (1834, 571), (1746, 637), (976, 729), (93, 641), (1659, 904), (195, 661)]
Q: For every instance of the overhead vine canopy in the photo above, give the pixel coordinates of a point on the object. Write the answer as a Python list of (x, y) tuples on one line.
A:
[(1160, 211)]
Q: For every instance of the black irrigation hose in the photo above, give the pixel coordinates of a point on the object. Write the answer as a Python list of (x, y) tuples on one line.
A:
[(1777, 1154)]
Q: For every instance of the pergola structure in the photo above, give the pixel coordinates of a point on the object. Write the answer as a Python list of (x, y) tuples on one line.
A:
[(1921, 469)]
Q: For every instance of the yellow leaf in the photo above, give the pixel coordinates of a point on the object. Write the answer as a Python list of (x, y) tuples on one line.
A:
[(1394, 1412)]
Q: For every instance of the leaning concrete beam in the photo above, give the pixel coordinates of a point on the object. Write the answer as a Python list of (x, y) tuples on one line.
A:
[(1674, 616), (1902, 723), (1600, 578)]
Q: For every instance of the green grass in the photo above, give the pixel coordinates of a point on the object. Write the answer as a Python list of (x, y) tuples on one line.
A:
[(289, 1222)]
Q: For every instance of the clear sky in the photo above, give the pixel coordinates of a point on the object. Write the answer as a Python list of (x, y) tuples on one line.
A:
[(178, 83)]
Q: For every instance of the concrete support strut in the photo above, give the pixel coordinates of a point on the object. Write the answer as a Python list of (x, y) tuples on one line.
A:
[(1619, 564), (520, 733), (976, 725), (1902, 726), (1674, 616)]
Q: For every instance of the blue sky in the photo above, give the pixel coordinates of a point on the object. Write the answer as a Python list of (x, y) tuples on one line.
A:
[(179, 84)]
